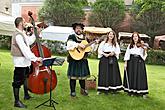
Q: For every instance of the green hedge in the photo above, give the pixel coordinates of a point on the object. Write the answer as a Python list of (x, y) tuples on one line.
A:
[(156, 57), (59, 48), (5, 42), (56, 47)]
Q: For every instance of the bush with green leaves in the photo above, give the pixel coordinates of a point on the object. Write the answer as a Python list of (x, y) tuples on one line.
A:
[(149, 17), (5, 41), (63, 12), (56, 47), (107, 13), (156, 57)]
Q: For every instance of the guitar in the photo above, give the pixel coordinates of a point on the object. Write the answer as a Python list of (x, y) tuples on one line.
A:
[(78, 53)]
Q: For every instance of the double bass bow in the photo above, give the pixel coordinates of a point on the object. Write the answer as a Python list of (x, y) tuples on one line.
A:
[(39, 79)]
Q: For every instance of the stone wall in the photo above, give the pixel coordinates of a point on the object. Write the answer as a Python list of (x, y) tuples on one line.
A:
[(5, 7)]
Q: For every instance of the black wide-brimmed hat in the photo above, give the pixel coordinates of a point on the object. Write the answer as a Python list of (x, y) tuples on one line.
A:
[(78, 24)]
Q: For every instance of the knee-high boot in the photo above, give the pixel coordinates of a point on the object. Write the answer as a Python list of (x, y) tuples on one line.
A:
[(26, 94), (83, 91), (72, 87), (17, 102)]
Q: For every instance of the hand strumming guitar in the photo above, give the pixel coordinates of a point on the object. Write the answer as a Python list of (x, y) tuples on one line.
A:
[(81, 46)]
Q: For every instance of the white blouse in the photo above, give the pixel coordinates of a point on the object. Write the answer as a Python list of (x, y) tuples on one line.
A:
[(135, 50), (106, 47)]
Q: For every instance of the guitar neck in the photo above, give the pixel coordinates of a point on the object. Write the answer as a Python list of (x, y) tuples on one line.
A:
[(101, 38), (90, 43)]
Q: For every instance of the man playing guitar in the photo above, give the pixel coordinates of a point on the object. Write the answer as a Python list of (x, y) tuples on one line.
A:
[(78, 68)]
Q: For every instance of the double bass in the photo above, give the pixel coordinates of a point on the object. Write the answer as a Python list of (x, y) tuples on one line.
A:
[(39, 79)]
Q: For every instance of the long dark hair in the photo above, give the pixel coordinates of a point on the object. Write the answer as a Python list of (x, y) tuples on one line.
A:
[(114, 40), (132, 41)]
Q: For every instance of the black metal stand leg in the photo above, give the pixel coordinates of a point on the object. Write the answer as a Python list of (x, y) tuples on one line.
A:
[(42, 103), (53, 106), (54, 101), (50, 100)]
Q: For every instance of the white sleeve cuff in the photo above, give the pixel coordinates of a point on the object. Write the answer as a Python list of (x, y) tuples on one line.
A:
[(71, 45)]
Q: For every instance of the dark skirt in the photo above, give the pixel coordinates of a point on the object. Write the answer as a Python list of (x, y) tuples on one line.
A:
[(78, 69), (109, 74), (137, 77)]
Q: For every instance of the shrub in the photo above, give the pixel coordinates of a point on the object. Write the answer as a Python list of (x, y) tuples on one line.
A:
[(56, 47), (5, 42), (156, 57), (59, 48)]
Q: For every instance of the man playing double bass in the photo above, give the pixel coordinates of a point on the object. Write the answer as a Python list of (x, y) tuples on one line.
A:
[(77, 69), (22, 57)]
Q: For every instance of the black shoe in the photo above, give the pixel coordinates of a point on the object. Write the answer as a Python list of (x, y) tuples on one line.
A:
[(73, 94), (84, 92), (19, 104), (27, 97)]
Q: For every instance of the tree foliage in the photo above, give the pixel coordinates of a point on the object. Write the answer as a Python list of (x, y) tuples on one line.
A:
[(63, 12), (149, 16), (107, 13)]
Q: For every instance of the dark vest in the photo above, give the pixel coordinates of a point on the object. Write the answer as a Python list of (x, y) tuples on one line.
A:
[(15, 50), (75, 39)]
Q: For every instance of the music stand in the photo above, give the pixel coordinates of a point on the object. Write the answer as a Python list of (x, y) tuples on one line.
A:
[(49, 62), (58, 61)]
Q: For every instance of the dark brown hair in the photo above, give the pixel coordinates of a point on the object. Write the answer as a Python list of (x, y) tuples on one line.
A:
[(17, 21), (132, 41), (78, 24), (114, 40)]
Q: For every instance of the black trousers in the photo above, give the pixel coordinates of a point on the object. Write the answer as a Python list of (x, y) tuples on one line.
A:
[(73, 84), (20, 74)]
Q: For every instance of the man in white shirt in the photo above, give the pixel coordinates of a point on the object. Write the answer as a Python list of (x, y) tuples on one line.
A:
[(22, 57), (77, 69)]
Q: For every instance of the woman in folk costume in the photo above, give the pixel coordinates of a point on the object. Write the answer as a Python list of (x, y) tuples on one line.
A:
[(77, 69), (109, 78), (135, 76)]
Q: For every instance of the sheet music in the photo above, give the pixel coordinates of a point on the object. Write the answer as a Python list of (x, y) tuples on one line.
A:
[(48, 61), (49, 58), (57, 62)]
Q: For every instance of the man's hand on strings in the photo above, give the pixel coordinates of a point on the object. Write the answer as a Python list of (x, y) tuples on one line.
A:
[(81, 46)]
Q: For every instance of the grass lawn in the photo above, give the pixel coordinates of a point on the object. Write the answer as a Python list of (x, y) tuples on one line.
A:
[(121, 101)]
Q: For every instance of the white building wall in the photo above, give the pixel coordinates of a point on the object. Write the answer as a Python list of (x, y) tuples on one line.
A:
[(16, 7), (16, 10)]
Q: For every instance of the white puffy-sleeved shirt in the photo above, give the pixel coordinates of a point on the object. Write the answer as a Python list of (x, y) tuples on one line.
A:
[(71, 45), (25, 49), (106, 47), (134, 50)]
